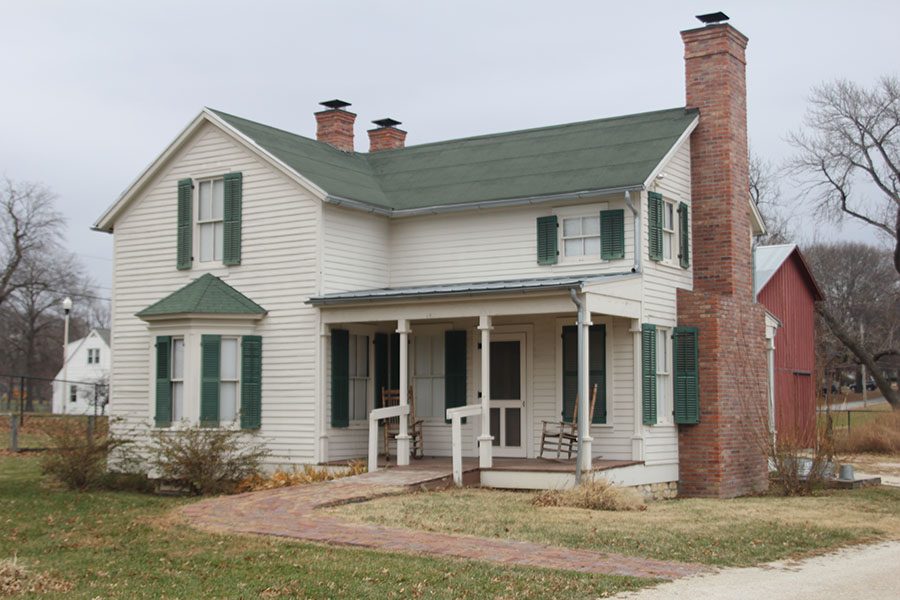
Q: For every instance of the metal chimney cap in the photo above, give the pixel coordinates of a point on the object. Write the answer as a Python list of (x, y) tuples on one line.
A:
[(335, 104), (387, 122), (712, 18)]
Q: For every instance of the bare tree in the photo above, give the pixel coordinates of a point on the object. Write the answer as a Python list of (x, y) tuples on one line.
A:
[(849, 154), (29, 224), (862, 294), (766, 194)]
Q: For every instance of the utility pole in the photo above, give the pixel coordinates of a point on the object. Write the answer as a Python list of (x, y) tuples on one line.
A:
[(67, 308), (865, 394)]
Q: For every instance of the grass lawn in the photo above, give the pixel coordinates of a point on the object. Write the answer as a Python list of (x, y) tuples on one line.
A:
[(738, 532), (125, 545)]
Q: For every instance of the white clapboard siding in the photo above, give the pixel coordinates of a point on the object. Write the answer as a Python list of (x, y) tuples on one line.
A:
[(661, 280), (279, 269), (486, 245), (355, 250)]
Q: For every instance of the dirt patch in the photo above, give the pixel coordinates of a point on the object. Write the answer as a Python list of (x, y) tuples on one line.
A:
[(876, 464)]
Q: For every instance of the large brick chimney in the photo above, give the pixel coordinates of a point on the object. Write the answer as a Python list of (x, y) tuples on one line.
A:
[(387, 136), (334, 125), (722, 456)]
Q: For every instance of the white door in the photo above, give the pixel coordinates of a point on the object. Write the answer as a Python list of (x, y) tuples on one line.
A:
[(508, 394)]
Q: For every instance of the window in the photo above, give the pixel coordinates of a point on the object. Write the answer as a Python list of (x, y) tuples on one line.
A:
[(177, 379), (668, 229), (210, 219), (581, 236), (73, 393), (663, 370), (93, 356), (428, 375), (359, 377), (228, 380)]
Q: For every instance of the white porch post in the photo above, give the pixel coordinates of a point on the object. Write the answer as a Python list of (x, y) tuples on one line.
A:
[(637, 436), (403, 437), (485, 440), (584, 385)]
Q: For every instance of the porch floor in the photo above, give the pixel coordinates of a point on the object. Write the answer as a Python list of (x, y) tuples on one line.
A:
[(547, 465)]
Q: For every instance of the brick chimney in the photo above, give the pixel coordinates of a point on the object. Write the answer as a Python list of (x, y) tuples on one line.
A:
[(386, 136), (723, 455), (334, 125)]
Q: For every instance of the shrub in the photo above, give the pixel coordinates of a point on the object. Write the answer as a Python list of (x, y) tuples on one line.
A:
[(298, 476), (74, 458), (206, 460), (797, 468), (597, 494), (880, 436)]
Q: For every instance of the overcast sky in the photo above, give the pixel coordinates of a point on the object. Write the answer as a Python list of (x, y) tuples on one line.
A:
[(94, 91)]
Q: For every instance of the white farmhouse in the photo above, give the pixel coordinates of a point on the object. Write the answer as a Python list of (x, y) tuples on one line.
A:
[(277, 283), (87, 370)]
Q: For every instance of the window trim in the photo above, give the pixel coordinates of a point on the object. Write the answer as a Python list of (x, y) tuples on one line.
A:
[(180, 381), (369, 331), (665, 390), (368, 398), (198, 223), (236, 381), (669, 233), (437, 330)]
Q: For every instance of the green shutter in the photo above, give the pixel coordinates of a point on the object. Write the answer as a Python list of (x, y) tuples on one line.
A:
[(648, 373), (210, 359), (340, 378), (185, 223), (454, 369), (251, 382), (163, 381), (684, 239), (596, 375), (233, 196), (546, 240), (612, 234), (381, 365), (655, 225), (687, 376)]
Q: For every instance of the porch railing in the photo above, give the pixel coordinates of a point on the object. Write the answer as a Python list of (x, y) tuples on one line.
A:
[(379, 414), (456, 415)]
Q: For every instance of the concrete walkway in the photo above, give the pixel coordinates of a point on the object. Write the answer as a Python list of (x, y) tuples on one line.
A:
[(857, 573), (291, 512)]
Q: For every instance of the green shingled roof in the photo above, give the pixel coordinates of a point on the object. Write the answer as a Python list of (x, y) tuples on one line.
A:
[(205, 295), (603, 154)]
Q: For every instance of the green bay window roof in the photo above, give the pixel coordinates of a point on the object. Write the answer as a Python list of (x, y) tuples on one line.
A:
[(206, 295), (591, 156)]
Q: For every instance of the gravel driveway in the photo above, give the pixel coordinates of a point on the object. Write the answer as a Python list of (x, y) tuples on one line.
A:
[(857, 573)]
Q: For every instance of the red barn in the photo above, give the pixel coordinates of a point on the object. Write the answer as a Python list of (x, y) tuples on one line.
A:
[(785, 286)]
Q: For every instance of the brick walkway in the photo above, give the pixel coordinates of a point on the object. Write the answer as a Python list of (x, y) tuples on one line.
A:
[(291, 512)]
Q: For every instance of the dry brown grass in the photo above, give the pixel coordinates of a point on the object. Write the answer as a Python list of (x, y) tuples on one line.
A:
[(15, 579), (298, 476), (598, 494), (876, 464), (878, 436)]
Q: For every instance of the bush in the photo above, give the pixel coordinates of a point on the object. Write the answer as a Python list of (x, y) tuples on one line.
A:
[(207, 461), (799, 470), (597, 494), (881, 436), (74, 458), (298, 476)]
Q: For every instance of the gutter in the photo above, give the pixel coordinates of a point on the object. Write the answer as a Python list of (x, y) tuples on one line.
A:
[(486, 204), (637, 232)]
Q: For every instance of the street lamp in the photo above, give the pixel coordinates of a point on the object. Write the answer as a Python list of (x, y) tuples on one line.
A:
[(67, 308)]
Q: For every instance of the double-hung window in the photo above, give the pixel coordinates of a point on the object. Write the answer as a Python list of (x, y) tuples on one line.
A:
[(210, 219), (73, 393), (177, 379), (359, 377), (663, 374), (229, 378), (428, 375), (668, 229), (581, 236)]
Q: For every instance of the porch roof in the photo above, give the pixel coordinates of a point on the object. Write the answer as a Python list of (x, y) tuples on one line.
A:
[(465, 289)]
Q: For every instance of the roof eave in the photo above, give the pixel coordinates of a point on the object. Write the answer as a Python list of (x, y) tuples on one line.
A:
[(671, 152), (201, 316)]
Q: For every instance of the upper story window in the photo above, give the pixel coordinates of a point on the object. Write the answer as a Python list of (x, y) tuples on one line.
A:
[(581, 236), (93, 356), (210, 219), (668, 229)]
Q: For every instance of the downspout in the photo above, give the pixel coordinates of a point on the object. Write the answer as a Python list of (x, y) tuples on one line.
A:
[(582, 382), (636, 268)]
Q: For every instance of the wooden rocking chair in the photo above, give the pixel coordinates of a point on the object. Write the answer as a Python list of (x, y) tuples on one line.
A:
[(391, 427), (561, 437)]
